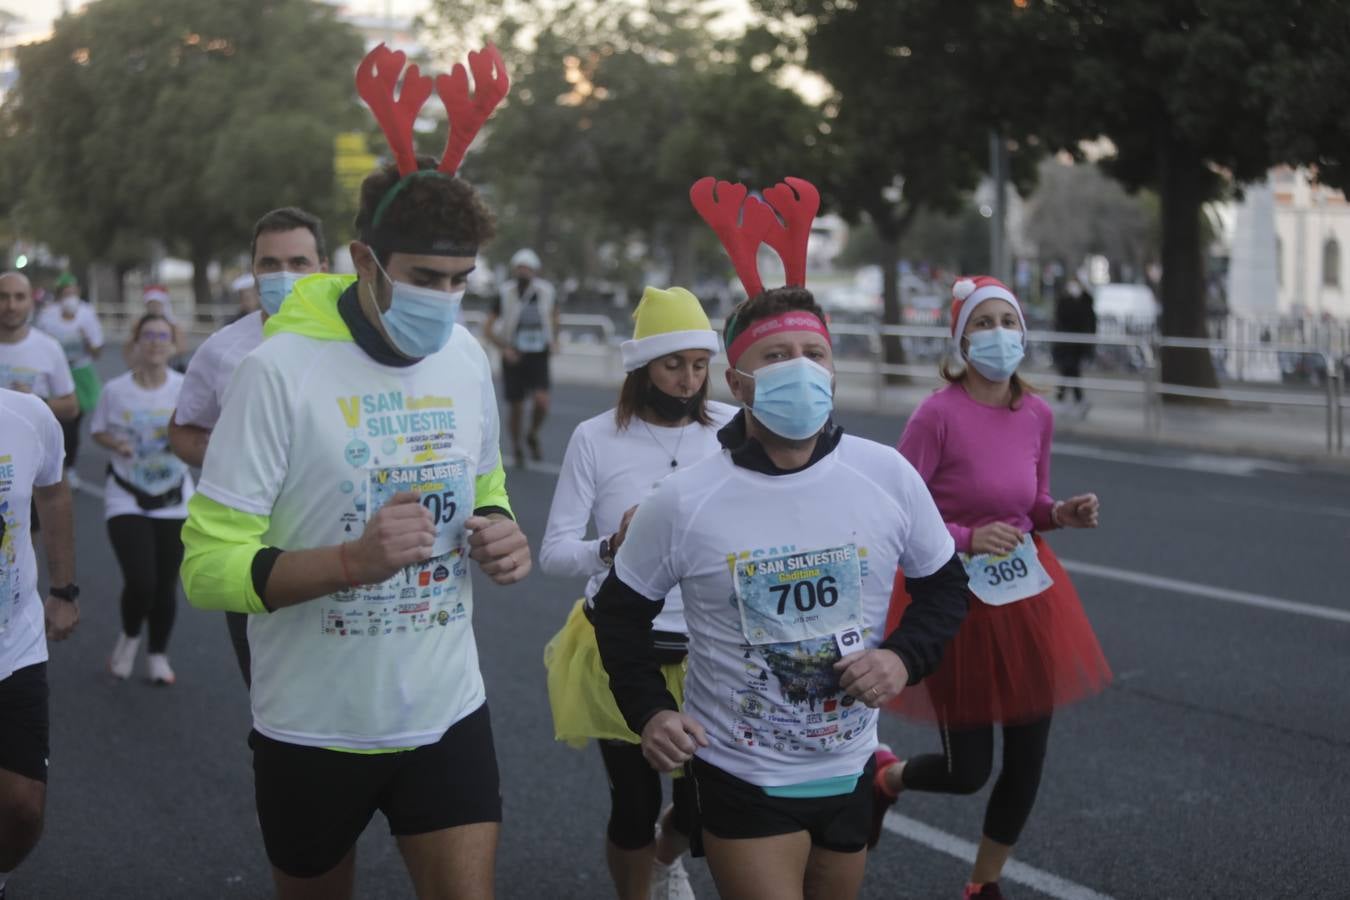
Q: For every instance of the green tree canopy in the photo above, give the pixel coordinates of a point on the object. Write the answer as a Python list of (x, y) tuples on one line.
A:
[(180, 122), (616, 109)]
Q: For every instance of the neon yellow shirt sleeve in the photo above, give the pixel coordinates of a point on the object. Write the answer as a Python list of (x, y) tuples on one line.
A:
[(490, 489), (219, 544)]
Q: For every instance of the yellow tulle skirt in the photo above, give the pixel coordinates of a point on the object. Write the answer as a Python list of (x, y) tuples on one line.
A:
[(578, 686)]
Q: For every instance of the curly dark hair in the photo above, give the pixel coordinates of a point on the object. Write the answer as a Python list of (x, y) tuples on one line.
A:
[(767, 304), (427, 205)]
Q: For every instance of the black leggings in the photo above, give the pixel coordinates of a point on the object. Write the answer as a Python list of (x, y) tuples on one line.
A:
[(635, 797), (966, 761), (1070, 367), (149, 552), (71, 431)]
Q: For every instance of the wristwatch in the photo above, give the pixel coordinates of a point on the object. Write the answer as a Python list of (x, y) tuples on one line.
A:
[(70, 593), (606, 556)]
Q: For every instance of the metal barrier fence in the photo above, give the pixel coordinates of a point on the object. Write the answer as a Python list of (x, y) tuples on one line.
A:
[(596, 335)]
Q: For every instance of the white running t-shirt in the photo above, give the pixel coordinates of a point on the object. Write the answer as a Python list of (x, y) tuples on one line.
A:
[(38, 364), (776, 570), (141, 416), (317, 436), (208, 373), (72, 334), (31, 453), (605, 472)]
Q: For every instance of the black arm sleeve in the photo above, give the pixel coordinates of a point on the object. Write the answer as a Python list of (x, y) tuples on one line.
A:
[(938, 605), (263, 562), (623, 630)]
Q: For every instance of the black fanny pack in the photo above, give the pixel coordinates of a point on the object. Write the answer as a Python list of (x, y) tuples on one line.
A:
[(149, 502)]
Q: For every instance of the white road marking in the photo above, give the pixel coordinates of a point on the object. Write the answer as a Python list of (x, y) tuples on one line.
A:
[(1020, 872), (1239, 466), (1213, 593)]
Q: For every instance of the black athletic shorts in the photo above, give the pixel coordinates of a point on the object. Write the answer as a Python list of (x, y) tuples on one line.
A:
[(730, 808), (23, 722), (314, 803), (526, 376)]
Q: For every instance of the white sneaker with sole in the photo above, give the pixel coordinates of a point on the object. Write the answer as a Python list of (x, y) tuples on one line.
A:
[(123, 656), (157, 669), (671, 882)]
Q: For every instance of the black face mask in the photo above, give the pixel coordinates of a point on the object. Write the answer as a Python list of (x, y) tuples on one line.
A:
[(668, 408), (522, 284)]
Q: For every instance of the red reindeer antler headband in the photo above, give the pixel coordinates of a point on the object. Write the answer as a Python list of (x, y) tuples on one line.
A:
[(376, 80), (743, 223)]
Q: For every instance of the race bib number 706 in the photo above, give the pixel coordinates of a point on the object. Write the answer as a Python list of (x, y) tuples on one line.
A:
[(799, 596)]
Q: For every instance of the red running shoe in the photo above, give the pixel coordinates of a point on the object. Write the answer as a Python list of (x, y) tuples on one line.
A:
[(988, 891)]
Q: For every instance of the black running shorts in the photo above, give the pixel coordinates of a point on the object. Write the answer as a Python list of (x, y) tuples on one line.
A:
[(23, 722), (526, 376), (730, 808), (314, 803)]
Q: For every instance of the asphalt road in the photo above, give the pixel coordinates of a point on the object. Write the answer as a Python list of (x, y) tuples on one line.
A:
[(1218, 764)]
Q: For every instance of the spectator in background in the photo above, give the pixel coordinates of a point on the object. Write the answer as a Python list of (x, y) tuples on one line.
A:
[(1073, 315)]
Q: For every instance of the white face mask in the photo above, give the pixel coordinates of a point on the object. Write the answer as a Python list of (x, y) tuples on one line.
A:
[(70, 305)]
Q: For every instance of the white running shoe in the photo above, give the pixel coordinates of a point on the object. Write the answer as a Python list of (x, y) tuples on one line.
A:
[(671, 882), (157, 669), (123, 656)]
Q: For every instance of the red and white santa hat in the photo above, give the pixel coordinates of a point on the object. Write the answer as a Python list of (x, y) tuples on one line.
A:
[(155, 292), (970, 291)]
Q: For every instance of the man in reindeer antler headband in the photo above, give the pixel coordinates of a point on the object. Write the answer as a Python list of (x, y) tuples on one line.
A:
[(803, 528), (353, 475)]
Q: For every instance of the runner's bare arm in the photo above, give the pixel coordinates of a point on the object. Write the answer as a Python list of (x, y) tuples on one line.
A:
[(54, 508), (64, 408), (189, 442)]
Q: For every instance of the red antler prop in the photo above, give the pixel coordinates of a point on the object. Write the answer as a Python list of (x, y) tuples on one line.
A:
[(467, 115), (376, 79), (743, 224), (798, 211), (719, 203)]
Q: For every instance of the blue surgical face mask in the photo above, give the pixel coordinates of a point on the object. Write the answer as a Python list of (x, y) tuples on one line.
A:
[(419, 321), (273, 288), (794, 398), (996, 352)]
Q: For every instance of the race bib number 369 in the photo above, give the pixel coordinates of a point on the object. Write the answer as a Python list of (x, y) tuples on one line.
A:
[(799, 596), (1002, 579), (444, 489)]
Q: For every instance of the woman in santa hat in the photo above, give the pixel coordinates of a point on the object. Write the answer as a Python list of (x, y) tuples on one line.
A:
[(982, 445)]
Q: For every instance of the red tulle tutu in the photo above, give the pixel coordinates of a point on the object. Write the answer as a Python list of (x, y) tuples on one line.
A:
[(1009, 664)]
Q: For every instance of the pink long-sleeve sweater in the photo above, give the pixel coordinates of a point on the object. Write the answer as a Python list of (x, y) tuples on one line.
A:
[(983, 463)]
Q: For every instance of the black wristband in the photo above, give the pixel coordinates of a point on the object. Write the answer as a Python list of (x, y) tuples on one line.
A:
[(70, 593)]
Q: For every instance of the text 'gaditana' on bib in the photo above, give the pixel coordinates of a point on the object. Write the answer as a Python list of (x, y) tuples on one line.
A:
[(799, 596), (443, 488), (1002, 578)]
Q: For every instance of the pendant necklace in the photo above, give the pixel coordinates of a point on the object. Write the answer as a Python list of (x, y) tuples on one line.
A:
[(674, 461)]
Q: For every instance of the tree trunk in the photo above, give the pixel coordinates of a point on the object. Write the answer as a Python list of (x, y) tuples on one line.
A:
[(201, 282), (682, 253), (890, 230), (1185, 188)]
